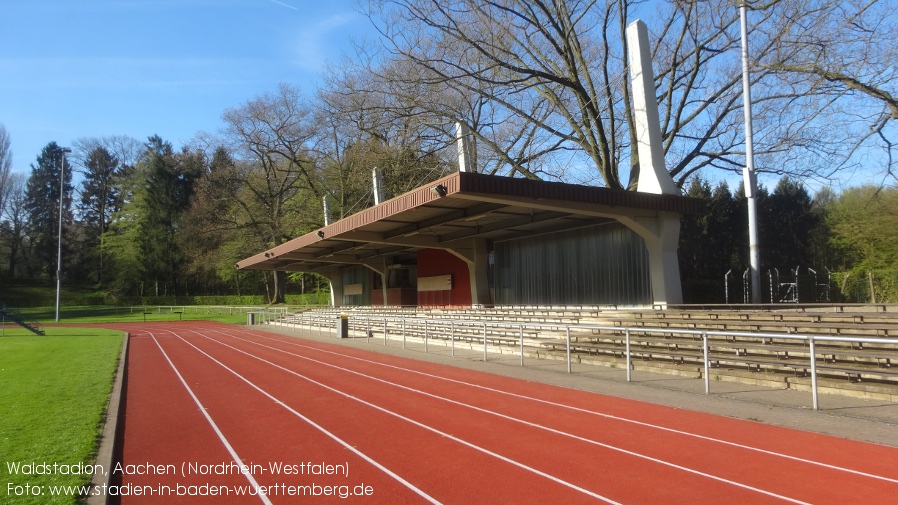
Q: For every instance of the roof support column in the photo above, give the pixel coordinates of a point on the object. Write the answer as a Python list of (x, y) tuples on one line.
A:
[(476, 254), (662, 236), (478, 270), (335, 277)]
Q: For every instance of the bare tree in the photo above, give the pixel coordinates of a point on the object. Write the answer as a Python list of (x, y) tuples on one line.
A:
[(844, 54), (14, 224), (5, 166), (556, 72), (368, 124), (520, 73), (273, 176)]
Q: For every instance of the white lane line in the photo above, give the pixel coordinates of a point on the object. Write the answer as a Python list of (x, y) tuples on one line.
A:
[(309, 421), (592, 412), (218, 432), (390, 412), (522, 421)]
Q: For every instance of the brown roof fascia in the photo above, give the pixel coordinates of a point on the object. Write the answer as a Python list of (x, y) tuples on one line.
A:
[(559, 191), (461, 183)]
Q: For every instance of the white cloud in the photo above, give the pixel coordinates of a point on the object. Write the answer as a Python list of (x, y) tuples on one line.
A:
[(322, 40), (283, 4)]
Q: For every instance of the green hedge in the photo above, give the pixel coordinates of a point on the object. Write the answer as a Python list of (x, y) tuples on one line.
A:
[(321, 298), (43, 294), (855, 285)]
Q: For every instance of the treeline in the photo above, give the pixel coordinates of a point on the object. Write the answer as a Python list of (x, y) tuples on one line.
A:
[(150, 220), (147, 220), (849, 239)]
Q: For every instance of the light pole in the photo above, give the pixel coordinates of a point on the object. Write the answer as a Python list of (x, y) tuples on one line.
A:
[(748, 174), (62, 152)]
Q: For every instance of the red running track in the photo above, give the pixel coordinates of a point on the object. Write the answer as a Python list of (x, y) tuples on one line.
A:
[(393, 430)]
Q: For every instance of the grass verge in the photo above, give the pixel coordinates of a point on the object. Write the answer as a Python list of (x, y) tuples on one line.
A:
[(53, 395), (136, 314)]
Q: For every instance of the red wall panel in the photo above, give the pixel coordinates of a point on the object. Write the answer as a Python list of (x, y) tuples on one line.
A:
[(433, 262)]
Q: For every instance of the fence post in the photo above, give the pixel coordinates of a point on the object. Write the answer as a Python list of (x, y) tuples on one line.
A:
[(568, 339), (707, 358), (813, 370), (522, 344), (425, 335), (484, 342), (385, 331), (403, 333), (627, 344), (452, 335)]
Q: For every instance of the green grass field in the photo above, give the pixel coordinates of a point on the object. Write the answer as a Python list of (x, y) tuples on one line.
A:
[(53, 395), (114, 314)]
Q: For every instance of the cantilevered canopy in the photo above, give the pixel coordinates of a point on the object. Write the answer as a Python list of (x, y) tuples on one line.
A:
[(450, 212)]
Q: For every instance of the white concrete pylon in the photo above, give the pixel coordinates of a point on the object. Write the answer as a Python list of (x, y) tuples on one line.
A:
[(661, 233), (653, 174), (378, 185), (466, 161)]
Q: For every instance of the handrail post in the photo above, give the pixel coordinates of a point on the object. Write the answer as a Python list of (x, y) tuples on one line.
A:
[(813, 371), (628, 357), (385, 331), (452, 335), (484, 341), (368, 330), (425, 335), (707, 359), (403, 333), (521, 327), (568, 339)]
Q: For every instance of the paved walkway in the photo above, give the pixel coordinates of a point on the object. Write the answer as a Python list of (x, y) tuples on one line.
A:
[(853, 418)]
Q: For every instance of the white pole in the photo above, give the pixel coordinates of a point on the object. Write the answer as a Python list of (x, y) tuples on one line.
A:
[(749, 176), (567, 332), (629, 359), (706, 352), (62, 151), (813, 351)]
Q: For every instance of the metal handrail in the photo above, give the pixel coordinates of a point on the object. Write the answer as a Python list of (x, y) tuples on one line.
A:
[(628, 332)]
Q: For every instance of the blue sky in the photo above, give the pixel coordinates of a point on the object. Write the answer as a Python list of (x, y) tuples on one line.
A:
[(92, 68)]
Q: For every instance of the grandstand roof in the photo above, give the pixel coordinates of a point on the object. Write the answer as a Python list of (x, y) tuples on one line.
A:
[(448, 212)]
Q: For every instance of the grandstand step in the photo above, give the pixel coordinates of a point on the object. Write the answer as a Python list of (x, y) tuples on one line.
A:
[(668, 342)]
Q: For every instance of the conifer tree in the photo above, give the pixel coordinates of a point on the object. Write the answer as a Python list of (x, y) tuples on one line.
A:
[(42, 199)]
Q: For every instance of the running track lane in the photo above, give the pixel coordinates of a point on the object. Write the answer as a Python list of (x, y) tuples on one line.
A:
[(418, 432)]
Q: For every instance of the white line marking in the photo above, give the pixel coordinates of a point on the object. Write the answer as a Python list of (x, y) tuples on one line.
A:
[(218, 432), (315, 425), (521, 421), (586, 411), (394, 414)]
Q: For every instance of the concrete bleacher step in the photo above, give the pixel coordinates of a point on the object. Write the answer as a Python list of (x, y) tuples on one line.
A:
[(773, 362)]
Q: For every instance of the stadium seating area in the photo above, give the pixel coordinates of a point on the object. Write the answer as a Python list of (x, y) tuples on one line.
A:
[(855, 345)]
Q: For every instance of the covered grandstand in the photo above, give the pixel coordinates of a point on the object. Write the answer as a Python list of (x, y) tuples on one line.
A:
[(471, 239)]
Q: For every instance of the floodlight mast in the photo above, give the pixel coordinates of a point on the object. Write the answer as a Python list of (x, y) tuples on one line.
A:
[(748, 173), (62, 153)]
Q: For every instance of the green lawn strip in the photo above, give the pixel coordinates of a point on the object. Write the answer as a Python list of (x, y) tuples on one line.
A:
[(111, 314), (53, 396)]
